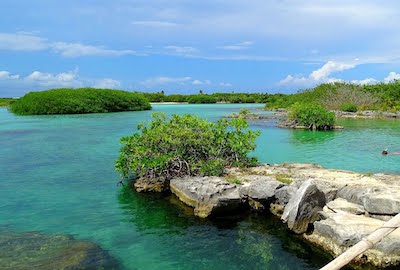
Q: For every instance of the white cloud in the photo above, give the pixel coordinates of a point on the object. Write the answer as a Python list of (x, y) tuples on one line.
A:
[(329, 68), (198, 82), (63, 79), (77, 50), (365, 81), (22, 42), (321, 75), (27, 41), (392, 77), (238, 46), (5, 75), (155, 24), (107, 83), (181, 50), (225, 84), (165, 80)]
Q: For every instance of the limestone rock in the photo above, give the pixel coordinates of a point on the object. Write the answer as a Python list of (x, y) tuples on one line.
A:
[(303, 207), (283, 194), (376, 200), (261, 188), (209, 196), (151, 185), (342, 205), (33, 250), (342, 230)]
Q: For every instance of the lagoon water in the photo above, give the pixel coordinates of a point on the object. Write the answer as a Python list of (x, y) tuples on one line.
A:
[(57, 176)]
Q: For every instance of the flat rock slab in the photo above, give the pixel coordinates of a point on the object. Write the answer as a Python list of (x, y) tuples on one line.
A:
[(303, 207), (33, 250), (376, 200), (261, 188), (342, 230), (342, 205), (209, 196)]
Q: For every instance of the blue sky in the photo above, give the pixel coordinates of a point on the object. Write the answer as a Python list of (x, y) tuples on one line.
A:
[(182, 46)]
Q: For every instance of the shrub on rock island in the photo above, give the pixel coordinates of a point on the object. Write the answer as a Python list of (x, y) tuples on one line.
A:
[(186, 146), (312, 115)]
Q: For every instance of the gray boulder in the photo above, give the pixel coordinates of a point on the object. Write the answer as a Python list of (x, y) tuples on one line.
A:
[(303, 207), (376, 200), (209, 196), (284, 194), (342, 205), (262, 188)]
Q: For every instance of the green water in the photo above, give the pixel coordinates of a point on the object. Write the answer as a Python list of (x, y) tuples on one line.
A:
[(57, 176)]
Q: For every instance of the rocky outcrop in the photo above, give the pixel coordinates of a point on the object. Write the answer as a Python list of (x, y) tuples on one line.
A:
[(341, 205), (151, 185), (33, 250), (354, 204), (341, 230), (261, 188), (379, 200), (303, 207), (209, 196)]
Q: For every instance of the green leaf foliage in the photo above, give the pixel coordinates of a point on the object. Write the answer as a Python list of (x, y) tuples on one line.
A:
[(312, 115), (186, 146), (208, 98), (348, 107), (78, 101), (5, 102)]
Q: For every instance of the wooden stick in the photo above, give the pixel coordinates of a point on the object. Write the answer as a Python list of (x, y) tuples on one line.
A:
[(364, 244)]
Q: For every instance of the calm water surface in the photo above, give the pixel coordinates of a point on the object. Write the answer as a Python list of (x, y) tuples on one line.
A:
[(57, 176)]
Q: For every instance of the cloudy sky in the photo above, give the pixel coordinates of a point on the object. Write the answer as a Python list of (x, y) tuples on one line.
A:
[(182, 46)]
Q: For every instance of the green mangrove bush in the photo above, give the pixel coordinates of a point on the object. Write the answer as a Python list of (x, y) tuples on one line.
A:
[(77, 101), (4, 102), (312, 115), (186, 146)]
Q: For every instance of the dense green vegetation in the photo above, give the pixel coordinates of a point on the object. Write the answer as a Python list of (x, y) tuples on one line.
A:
[(186, 145), (6, 101), (312, 115), (344, 96), (76, 101), (205, 98)]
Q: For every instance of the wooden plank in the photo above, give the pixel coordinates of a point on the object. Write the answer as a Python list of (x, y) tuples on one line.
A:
[(365, 244)]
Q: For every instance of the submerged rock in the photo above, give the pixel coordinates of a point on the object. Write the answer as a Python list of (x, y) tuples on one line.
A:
[(33, 250), (342, 230), (303, 207), (151, 185), (209, 196)]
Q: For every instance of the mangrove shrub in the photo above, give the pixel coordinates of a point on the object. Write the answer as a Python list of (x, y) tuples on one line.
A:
[(186, 146), (76, 101), (312, 115)]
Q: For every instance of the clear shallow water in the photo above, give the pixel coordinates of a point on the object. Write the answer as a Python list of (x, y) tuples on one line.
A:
[(57, 176)]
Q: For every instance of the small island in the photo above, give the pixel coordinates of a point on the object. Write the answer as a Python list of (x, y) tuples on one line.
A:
[(79, 101), (207, 166)]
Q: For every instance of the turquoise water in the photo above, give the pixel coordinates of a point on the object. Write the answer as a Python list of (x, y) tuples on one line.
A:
[(57, 176)]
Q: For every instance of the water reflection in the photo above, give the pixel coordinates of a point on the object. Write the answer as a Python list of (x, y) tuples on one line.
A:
[(313, 137)]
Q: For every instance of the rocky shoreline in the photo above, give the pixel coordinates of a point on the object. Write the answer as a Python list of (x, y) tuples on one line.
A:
[(332, 209)]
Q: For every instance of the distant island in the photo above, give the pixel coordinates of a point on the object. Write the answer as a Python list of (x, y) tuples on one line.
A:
[(79, 101)]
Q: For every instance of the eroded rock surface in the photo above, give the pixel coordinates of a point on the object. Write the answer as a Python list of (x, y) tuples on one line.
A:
[(342, 205), (303, 207), (33, 250), (209, 196), (342, 230)]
